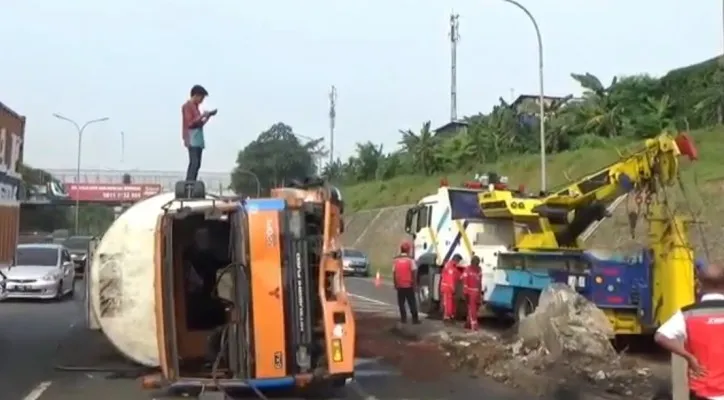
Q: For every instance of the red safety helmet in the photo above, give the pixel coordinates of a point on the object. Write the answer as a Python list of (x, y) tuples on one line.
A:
[(405, 247)]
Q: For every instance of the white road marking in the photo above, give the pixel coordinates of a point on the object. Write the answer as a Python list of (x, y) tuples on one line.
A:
[(38, 391), (371, 281), (366, 304), (371, 300)]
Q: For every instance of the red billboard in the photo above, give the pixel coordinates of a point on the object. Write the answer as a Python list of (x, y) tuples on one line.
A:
[(111, 193)]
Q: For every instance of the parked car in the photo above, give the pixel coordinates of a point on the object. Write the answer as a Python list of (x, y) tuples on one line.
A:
[(78, 247), (3, 284), (355, 262), (40, 271)]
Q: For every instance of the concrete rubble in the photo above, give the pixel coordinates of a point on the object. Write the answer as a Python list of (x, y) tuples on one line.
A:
[(563, 346), (565, 323)]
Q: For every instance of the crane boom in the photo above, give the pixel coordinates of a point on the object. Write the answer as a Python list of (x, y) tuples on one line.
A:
[(558, 219)]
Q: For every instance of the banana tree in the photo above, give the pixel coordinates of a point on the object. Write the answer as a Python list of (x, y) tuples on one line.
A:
[(599, 114), (422, 147)]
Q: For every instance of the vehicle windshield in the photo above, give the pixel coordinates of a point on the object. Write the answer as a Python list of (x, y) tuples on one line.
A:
[(464, 204), (36, 256), (353, 253), (77, 243)]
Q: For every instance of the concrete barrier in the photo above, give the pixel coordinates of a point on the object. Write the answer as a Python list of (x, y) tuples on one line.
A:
[(377, 232)]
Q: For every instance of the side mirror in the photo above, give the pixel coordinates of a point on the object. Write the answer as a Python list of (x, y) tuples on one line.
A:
[(408, 220)]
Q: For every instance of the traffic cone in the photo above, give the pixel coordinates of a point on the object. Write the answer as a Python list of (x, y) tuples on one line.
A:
[(378, 279)]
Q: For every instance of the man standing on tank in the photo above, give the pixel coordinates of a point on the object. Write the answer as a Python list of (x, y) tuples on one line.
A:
[(193, 121)]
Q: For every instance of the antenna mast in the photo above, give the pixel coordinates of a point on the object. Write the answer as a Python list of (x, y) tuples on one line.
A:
[(454, 37), (332, 118)]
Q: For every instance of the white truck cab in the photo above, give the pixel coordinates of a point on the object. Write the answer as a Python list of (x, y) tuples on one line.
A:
[(450, 222)]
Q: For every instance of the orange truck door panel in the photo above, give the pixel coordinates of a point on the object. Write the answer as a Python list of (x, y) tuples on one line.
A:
[(267, 290)]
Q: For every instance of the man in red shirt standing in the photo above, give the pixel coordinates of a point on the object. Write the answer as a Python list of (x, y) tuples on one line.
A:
[(695, 334), (193, 121), (472, 288), (404, 274), (450, 278)]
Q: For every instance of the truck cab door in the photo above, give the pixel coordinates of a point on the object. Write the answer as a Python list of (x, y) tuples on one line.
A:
[(424, 241)]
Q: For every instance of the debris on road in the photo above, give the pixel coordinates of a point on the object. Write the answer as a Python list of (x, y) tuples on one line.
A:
[(563, 347), (565, 322), (383, 337)]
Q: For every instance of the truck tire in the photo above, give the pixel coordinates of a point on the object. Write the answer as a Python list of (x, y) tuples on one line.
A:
[(425, 286), (526, 302)]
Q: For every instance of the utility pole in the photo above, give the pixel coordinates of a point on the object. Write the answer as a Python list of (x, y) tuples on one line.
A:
[(454, 37), (332, 119)]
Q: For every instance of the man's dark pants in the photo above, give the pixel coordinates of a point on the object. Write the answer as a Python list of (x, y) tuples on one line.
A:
[(407, 296), (192, 172)]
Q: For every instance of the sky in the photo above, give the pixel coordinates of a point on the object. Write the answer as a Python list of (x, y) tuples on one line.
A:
[(267, 61)]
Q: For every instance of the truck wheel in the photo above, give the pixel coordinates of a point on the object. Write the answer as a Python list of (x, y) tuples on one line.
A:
[(425, 287), (525, 303)]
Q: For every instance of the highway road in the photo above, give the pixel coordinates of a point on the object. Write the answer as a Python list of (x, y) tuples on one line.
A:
[(31, 333)]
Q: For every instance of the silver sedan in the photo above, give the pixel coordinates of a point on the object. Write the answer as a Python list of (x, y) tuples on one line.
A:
[(40, 271), (355, 262)]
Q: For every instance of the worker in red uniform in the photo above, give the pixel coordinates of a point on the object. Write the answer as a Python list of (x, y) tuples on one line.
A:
[(695, 333), (450, 277), (472, 289), (404, 274)]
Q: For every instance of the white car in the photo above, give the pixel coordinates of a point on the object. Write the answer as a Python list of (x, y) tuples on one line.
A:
[(3, 284), (40, 271)]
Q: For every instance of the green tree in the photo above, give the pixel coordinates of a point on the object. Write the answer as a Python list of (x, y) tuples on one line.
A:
[(274, 158), (599, 113), (422, 147)]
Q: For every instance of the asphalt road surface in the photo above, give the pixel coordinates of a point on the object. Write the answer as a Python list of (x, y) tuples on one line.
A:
[(31, 333), (367, 297)]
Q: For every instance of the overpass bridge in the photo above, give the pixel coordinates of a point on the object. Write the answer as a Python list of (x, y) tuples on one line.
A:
[(107, 187), (215, 181)]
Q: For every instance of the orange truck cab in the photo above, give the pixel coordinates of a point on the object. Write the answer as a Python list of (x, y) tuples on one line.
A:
[(288, 323)]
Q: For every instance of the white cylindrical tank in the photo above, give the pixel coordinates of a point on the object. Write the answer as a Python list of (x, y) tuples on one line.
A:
[(122, 279)]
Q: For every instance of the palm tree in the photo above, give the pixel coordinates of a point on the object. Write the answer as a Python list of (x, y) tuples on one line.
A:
[(422, 147), (367, 160), (599, 113)]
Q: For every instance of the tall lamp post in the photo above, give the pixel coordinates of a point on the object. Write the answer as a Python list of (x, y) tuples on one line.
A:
[(79, 129), (541, 97)]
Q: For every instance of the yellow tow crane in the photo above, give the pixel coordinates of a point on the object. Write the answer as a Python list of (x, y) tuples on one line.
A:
[(637, 293)]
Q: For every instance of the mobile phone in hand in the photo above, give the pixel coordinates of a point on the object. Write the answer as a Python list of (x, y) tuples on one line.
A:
[(212, 112)]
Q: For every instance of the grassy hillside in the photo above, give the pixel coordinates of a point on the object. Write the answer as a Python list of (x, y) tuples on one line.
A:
[(526, 170), (379, 231)]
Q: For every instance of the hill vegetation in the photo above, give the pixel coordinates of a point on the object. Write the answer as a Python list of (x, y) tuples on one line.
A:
[(582, 135)]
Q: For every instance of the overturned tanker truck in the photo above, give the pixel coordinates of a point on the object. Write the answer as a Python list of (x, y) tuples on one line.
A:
[(222, 294)]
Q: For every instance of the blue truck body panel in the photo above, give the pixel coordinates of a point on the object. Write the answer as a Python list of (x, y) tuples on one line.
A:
[(612, 282)]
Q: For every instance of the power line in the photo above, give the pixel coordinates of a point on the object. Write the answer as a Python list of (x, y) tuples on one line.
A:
[(454, 38)]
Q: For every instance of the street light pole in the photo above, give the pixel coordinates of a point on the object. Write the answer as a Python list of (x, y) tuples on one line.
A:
[(79, 129), (256, 178), (541, 96)]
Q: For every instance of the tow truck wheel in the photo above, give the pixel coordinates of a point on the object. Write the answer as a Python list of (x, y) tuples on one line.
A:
[(525, 303), (425, 286)]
